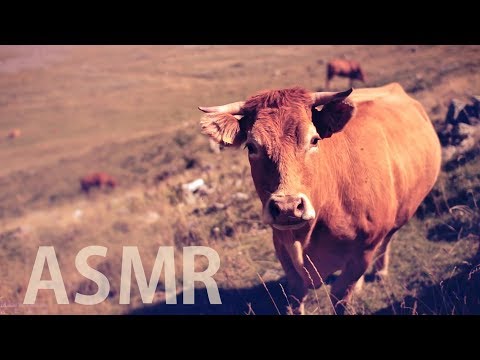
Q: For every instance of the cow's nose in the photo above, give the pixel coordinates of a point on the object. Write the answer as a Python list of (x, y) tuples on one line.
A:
[(288, 210), (290, 207)]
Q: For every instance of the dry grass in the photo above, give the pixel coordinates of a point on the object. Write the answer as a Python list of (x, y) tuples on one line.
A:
[(132, 111)]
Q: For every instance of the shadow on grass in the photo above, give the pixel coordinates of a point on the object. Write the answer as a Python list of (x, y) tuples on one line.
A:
[(458, 295), (254, 301), (234, 302)]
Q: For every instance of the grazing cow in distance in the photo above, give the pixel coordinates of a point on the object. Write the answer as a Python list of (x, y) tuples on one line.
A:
[(335, 184), (14, 133), (97, 179), (344, 68)]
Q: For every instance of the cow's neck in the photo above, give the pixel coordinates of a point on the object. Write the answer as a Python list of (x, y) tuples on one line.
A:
[(333, 164)]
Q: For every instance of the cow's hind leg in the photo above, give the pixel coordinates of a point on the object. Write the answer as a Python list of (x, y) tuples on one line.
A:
[(380, 264), (346, 283)]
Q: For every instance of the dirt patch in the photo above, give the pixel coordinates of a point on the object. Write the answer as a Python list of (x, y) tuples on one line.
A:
[(16, 58)]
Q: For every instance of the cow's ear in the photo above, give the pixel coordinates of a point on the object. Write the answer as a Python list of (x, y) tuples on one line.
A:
[(224, 128), (332, 117)]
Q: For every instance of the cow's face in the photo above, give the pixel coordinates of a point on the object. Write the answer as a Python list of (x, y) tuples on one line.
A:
[(282, 132), (280, 145)]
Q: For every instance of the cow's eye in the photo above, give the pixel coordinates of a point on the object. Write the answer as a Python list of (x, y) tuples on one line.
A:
[(315, 140), (251, 148)]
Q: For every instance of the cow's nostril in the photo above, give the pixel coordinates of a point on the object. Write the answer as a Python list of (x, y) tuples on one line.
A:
[(274, 209), (300, 206)]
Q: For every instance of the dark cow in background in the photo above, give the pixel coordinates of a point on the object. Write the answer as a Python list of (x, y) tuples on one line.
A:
[(336, 183), (344, 68), (97, 179)]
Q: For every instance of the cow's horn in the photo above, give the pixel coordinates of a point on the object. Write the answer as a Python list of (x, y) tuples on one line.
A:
[(232, 108), (324, 97)]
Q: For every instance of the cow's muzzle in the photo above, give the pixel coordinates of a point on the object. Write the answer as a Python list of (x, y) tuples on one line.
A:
[(288, 212)]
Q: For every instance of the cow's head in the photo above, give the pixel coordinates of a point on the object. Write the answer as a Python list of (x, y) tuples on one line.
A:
[(283, 132)]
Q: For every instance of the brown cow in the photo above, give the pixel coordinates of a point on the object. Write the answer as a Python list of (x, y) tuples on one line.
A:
[(97, 179), (344, 68), (335, 184), (14, 133)]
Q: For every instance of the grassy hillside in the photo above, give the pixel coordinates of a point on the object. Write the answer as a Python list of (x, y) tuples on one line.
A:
[(132, 111)]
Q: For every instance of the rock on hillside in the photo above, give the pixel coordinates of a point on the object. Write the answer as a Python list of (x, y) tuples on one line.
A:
[(459, 133)]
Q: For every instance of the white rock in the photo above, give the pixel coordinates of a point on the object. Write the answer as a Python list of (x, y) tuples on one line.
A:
[(239, 196), (448, 153), (77, 214), (152, 216), (194, 185), (468, 130)]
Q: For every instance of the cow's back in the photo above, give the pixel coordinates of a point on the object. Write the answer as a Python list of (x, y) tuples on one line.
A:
[(339, 67)]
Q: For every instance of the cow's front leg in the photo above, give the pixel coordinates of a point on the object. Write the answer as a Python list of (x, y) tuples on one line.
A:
[(297, 292), (296, 288), (344, 285)]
